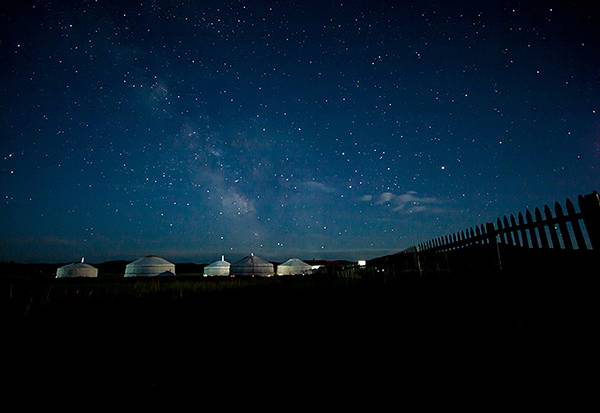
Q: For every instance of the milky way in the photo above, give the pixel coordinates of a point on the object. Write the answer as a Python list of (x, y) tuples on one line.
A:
[(311, 129)]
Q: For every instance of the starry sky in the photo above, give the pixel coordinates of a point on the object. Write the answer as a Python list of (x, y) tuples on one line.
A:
[(317, 129)]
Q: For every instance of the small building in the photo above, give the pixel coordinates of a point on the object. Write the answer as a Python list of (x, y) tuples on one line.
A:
[(217, 268), (294, 266), (150, 266), (252, 266), (77, 269)]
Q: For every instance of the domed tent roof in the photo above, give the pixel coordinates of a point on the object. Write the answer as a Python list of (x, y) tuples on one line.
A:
[(78, 269), (217, 268), (252, 266), (293, 266), (149, 266)]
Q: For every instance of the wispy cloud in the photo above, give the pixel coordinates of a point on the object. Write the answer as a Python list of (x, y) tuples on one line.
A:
[(318, 186), (409, 202)]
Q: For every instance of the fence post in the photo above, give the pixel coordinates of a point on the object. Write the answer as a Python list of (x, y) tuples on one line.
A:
[(491, 233), (590, 209)]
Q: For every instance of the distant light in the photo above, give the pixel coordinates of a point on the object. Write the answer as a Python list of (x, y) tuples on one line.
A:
[(362, 263)]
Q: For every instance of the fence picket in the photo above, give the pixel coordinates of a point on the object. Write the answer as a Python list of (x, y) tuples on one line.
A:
[(539, 223), (531, 228), (486, 236), (562, 224), (508, 232), (499, 231), (515, 232), (523, 230), (571, 216), (551, 227)]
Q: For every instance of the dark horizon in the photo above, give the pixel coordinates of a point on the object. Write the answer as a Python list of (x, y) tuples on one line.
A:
[(346, 130)]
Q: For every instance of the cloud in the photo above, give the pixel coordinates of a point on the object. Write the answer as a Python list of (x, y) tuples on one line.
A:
[(409, 202), (385, 197), (318, 186), (366, 198)]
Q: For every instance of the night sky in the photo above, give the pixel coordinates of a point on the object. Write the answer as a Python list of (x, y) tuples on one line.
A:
[(191, 129)]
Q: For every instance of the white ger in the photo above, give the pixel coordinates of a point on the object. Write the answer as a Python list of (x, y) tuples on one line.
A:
[(294, 266), (252, 266), (150, 266), (77, 269), (217, 268)]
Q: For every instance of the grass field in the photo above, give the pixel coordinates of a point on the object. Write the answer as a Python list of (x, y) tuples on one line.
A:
[(139, 332)]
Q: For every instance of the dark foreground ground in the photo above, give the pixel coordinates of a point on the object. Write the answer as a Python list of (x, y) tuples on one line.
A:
[(317, 332)]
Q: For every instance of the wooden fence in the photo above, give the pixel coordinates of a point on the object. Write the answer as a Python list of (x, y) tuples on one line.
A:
[(563, 238), (568, 230)]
